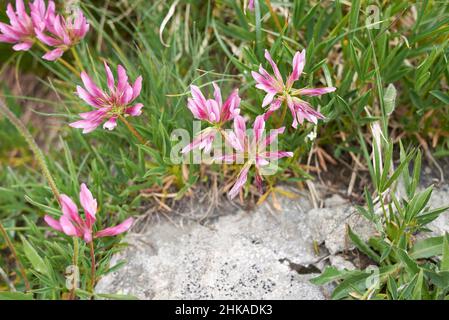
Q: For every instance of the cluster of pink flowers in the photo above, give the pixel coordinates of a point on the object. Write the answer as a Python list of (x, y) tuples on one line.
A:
[(71, 223), (110, 105), (44, 25), (252, 147)]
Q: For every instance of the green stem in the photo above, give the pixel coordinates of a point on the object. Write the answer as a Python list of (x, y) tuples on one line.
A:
[(77, 58), (33, 146), (75, 264), (61, 60), (283, 115), (92, 259), (133, 130), (14, 253)]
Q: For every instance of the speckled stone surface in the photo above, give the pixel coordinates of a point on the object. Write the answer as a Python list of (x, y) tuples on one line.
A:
[(245, 255), (237, 257)]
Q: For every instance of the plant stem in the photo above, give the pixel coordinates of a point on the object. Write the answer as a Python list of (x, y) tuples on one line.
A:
[(61, 60), (77, 58), (274, 15), (283, 115), (33, 146), (92, 271), (75, 264), (133, 130), (14, 253)]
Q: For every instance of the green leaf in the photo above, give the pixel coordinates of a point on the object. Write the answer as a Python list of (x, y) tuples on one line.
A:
[(392, 288), (427, 248), (390, 99), (329, 274), (15, 296), (417, 291), (362, 246), (440, 96), (410, 265), (36, 261), (445, 259), (116, 296)]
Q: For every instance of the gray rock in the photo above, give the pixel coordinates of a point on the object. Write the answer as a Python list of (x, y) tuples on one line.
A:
[(329, 226), (440, 198), (237, 257)]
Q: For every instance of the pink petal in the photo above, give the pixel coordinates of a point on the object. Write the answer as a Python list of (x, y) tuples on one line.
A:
[(213, 111), (316, 91), (240, 129), (122, 79), (268, 99), (137, 87), (110, 124), (274, 66), (232, 139), (197, 96), (258, 128), (23, 46), (251, 5), (275, 105), (135, 110), (90, 86), (69, 208), (53, 55), (67, 227), (49, 41), (88, 125), (240, 182), (89, 204), (53, 223), (231, 107), (292, 108), (203, 140), (217, 94), (110, 77), (87, 97), (118, 229), (299, 61)]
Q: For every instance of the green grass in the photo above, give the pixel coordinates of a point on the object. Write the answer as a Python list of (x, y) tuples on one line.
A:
[(204, 41)]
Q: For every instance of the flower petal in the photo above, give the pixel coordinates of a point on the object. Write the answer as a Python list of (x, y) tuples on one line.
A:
[(69, 208), (118, 229), (135, 110), (68, 228), (53, 54), (299, 61), (240, 182), (110, 124), (89, 204), (312, 92), (53, 223)]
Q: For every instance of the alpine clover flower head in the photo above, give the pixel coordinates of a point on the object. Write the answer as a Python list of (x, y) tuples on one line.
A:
[(279, 91), (108, 105), (23, 27), (212, 111), (253, 149), (62, 33), (73, 225)]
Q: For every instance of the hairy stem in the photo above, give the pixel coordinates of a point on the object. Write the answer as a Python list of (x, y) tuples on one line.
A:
[(14, 253), (75, 264), (133, 130), (33, 146), (92, 271)]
